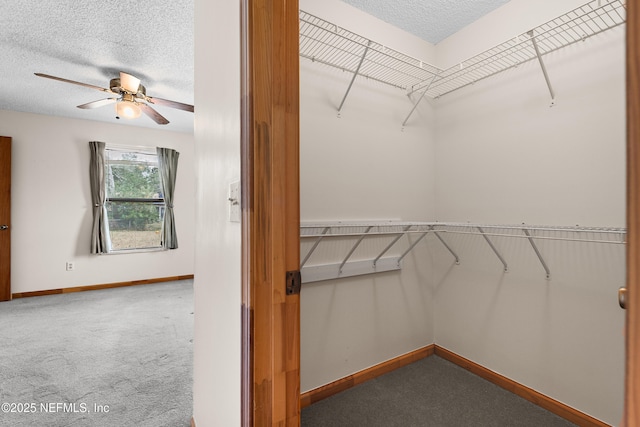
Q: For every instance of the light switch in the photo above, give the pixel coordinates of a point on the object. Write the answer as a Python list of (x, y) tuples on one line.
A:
[(234, 202)]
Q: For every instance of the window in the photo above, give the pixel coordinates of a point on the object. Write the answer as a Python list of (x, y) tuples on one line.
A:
[(135, 205), (132, 195)]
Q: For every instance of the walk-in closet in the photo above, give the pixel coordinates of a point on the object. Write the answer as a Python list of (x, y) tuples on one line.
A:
[(467, 196)]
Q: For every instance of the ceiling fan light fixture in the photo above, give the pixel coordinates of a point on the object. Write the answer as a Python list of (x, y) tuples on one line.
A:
[(127, 110)]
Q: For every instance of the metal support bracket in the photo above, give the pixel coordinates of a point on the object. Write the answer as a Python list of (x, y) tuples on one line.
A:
[(419, 99), (535, 248), (413, 245), (544, 69), (313, 248), (355, 74), (445, 245), (504, 263), (393, 242), (355, 246)]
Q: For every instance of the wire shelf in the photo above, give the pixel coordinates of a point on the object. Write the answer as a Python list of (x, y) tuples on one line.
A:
[(326, 43), (384, 260), (613, 235), (577, 25)]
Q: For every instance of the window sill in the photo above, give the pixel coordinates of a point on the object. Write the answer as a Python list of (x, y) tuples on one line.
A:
[(135, 251)]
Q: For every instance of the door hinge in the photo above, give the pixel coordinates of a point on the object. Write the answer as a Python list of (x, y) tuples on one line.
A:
[(294, 282)]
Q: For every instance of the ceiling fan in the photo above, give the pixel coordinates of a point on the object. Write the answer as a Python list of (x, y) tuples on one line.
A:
[(131, 100)]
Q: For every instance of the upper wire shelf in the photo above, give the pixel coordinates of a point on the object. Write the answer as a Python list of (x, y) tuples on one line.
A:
[(324, 42), (577, 25)]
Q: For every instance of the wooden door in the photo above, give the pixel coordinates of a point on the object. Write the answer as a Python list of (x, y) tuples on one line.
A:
[(632, 384), (271, 212), (5, 218)]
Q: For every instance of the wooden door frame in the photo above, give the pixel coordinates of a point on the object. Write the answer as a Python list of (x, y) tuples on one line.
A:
[(270, 212), (632, 374), (5, 218)]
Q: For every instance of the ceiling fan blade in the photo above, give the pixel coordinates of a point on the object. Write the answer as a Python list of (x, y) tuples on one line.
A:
[(129, 82), (100, 103), (47, 76), (172, 104), (157, 117)]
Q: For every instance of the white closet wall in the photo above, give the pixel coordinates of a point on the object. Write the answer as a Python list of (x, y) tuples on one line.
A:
[(504, 156), (492, 153), (363, 167)]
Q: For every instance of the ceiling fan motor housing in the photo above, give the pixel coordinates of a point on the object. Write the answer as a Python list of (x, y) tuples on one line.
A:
[(116, 87)]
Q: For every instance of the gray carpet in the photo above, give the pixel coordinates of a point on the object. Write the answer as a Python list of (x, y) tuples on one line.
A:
[(431, 392), (115, 357)]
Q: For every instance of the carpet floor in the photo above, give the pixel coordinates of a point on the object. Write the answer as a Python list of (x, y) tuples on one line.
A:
[(114, 357), (431, 392)]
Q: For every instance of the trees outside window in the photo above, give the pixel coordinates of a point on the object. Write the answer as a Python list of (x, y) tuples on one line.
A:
[(134, 203)]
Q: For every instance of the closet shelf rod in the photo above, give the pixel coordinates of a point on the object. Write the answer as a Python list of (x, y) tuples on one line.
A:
[(440, 227), (504, 263), (371, 233), (565, 239), (576, 229)]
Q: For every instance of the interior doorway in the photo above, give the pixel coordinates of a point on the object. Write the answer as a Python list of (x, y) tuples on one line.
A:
[(5, 218)]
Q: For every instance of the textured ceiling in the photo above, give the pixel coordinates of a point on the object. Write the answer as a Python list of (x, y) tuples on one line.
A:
[(90, 41), (431, 20)]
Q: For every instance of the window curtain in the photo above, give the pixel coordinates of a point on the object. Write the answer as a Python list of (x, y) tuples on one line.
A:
[(100, 242), (168, 167)]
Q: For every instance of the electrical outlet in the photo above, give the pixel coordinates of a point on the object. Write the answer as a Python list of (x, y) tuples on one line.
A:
[(71, 266)]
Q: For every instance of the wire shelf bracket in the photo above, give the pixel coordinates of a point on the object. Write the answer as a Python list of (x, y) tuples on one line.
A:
[(544, 68), (355, 246), (538, 254), (355, 74), (390, 245), (446, 245), (418, 101), (504, 263)]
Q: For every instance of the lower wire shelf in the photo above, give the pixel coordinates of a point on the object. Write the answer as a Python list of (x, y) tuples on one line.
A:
[(375, 247)]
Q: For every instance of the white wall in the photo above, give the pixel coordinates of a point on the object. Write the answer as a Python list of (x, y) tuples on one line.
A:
[(51, 203), (503, 156), (363, 166), (217, 285)]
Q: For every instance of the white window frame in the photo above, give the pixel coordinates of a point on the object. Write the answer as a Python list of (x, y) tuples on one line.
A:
[(147, 151)]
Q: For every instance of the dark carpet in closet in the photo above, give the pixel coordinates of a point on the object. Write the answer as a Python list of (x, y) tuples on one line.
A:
[(431, 392)]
